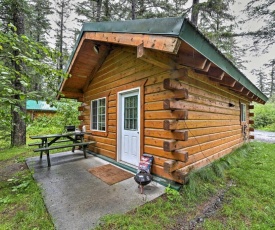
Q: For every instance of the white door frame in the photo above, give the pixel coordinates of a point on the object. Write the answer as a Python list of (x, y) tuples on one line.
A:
[(120, 122)]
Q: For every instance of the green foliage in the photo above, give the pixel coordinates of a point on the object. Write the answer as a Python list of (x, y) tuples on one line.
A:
[(264, 116), (19, 184), (67, 114), (172, 194)]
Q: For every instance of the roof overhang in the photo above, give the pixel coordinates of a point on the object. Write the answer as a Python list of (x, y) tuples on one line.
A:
[(173, 38)]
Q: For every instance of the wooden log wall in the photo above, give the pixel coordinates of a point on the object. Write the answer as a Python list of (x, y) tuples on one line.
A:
[(187, 119)]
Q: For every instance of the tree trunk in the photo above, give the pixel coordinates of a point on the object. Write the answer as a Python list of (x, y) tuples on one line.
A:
[(61, 36), (133, 9), (195, 12), (272, 79), (18, 134), (98, 10)]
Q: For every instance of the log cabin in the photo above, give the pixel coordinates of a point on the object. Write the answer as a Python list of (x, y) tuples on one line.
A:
[(39, 108), (158, 86)]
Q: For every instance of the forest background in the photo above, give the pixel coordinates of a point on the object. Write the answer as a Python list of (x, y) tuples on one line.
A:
[(37, 36)]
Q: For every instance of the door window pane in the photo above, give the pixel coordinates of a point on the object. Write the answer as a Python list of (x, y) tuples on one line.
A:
[(130, 113)]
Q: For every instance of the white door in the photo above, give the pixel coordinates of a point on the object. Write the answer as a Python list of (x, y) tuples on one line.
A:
[(129, 124)]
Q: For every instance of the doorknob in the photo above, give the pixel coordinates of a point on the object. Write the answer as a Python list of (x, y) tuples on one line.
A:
[(137, 132)]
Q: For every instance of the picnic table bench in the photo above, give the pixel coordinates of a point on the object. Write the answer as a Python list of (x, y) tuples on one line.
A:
[(47, 143)]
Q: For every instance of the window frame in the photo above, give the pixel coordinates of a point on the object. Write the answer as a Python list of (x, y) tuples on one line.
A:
[(243, 115), (98, 120)]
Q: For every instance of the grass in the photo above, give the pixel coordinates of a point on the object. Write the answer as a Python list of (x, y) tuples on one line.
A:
[(21, 202), (246, 179), (243, 182)]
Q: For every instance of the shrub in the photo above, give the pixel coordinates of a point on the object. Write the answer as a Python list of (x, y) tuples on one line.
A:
[(264, 116)]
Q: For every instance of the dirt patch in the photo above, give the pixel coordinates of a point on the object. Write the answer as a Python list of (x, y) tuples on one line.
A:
[(203, 211), (8, 169)]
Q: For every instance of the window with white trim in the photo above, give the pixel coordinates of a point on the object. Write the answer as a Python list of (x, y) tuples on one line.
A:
[(243, 112), (98, 114)]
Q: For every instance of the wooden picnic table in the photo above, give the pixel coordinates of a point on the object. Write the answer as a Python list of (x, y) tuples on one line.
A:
[(47, 143)]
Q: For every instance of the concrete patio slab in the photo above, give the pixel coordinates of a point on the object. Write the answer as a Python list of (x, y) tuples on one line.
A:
[(76, 199)]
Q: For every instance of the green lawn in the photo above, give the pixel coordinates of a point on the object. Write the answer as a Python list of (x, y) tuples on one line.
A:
[(21, 203), (236, 192)]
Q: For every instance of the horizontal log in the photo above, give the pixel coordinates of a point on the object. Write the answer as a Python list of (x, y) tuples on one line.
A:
[(216, 73), (180, 94), (173, 104), (251, 107), (251, 129), (180, 73), (251, 122), (181, 135), (158, 170), (199, 162), (196, 61), (183, 153), (170, 166), (80, 108), (251, 136), (169, 145), (157, 42), (81, 117), (180, 176), (251, 114), (157, 58), (169, 124), (192, 115), (172, 84)]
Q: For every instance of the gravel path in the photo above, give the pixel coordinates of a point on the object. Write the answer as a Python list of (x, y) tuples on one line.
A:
[(264, 136)]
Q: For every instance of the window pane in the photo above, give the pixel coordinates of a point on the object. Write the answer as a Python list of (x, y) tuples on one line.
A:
[(130, 113), (98, 114), (243, 112), (94, 114), (101, 114)]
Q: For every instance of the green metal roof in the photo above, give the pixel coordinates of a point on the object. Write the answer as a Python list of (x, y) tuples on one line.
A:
[(175, 27), (39, 106)]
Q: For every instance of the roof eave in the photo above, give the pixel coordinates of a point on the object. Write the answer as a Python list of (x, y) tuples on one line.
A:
[(190, 34)]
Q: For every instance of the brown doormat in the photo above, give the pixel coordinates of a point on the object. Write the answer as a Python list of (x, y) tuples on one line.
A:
[(110, 174)]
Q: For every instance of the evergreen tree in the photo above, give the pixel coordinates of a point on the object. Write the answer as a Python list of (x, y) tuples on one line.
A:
[(217, 24), (63, 9), (39, 24), (263, 11), (270, 67), (20, 60), (262, 80), (94, 11), (195, 12)]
